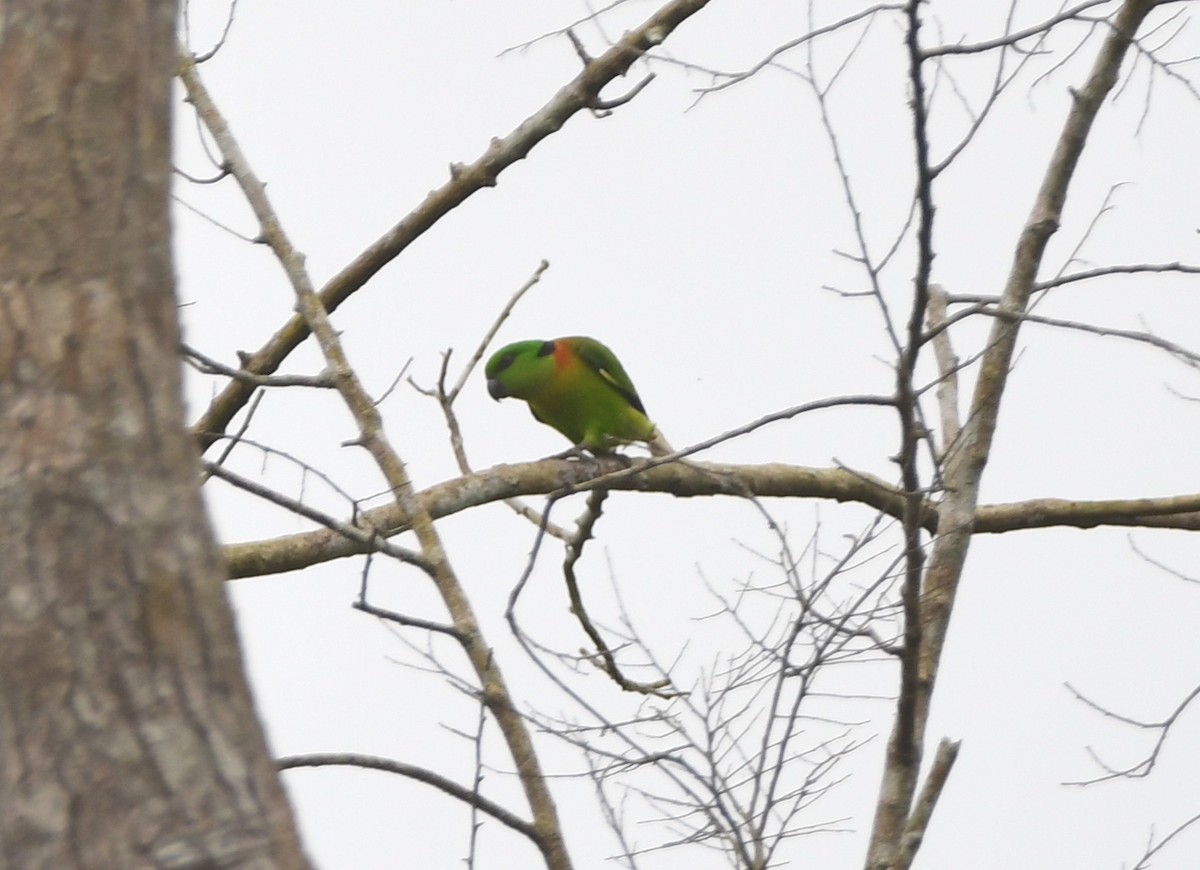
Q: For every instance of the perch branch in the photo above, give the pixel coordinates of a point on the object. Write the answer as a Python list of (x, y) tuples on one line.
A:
[(694, 480)]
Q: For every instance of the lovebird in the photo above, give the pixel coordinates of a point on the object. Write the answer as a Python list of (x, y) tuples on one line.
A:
[(576, 385)]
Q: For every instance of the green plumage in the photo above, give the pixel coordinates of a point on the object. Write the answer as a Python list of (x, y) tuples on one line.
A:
[(576, 385)]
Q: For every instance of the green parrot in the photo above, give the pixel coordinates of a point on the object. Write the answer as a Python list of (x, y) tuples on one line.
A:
[(576, 385)]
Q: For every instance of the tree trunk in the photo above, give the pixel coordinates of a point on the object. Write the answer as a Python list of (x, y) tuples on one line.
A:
[(127, 734)]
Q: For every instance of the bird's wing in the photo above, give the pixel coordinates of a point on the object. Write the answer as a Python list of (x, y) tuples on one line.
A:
[(604, 362)]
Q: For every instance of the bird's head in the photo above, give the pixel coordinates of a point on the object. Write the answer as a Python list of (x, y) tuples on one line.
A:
[(519, 368)]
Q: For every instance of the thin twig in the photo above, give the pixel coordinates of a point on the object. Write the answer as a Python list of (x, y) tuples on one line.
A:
[(405, 620), (1146, 765), (1154, 848), (603, 656), (238, 436), (495, 327), (731, 79), (1011, 39), (1178, 351), (209, 366), (476, 785), (366, 538), (412, 771)]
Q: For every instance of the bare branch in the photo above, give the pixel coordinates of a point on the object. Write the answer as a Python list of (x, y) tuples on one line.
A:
[(209, 366), (412, 771), (1154, 848), (637, 468), (405, 620), (914, 832), (965, 465), (593, 17), (1178, 351), (220, 43), (904, 748), (238, 437), (476, 782), (366, 538), (863, 257), (947, 362), (603, 656), (1011, 39), (1126, 269), (1162, 566), (690, 480), (207, 217), (1000, 83), (1145, 766), (736, 78)]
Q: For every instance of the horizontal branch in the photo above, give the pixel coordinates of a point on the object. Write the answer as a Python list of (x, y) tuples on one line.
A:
[(693, 479), (1119, 269), (1169, 512)]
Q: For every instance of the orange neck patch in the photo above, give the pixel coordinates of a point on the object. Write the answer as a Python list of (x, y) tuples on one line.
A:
[(563, 358)]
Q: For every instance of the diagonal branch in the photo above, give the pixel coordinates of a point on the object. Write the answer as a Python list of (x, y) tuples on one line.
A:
[(582, 92), (412, 771), (546, 829), (935, 782)]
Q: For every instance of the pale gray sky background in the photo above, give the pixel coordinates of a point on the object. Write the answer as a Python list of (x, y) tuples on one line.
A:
[(696, 238)]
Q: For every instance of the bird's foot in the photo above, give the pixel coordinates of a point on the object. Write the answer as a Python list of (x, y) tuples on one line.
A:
[(576, 452)]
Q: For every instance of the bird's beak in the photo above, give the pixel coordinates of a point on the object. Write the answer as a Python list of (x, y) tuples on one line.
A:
[(496, 390)]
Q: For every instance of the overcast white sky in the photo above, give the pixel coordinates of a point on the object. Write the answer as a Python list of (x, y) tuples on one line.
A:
[(696, 238)]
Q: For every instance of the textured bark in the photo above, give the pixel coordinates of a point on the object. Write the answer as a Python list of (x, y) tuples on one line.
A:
[(355, 535), (127, 734)]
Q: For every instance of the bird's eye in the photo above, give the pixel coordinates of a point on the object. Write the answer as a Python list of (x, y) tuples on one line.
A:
[(505, 361), (546, 349)]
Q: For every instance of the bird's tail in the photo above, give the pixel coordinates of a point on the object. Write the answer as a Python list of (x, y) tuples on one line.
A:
[(658, 445)]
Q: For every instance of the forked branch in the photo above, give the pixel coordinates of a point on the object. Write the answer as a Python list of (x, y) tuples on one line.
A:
[(965, 466)]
